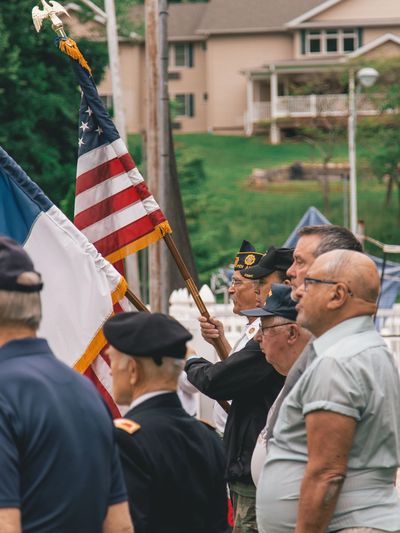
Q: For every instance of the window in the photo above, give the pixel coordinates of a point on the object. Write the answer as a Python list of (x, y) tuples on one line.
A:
[(107, 100), (181, 55), (185, 105), (330, 41)]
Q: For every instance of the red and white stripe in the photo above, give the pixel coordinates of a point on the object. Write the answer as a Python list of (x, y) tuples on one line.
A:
[(113, 206)]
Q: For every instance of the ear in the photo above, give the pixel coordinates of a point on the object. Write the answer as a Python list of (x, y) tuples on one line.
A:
[(338, 297), (293, 333), (133, 370)]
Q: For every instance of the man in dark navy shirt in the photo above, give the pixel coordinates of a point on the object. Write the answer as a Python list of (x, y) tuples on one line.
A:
[(59, 465)]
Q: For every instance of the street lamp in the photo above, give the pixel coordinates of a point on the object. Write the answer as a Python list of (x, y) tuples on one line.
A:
[(366, 77)]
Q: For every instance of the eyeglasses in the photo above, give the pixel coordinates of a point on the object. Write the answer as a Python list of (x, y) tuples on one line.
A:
[(310, 281), (239, 282), (263, 329)]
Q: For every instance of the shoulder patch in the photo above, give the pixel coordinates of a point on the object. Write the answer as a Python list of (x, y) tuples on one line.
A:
[(127, 425)]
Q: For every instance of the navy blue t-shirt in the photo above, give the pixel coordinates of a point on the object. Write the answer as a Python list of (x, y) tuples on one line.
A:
[(58, 458)]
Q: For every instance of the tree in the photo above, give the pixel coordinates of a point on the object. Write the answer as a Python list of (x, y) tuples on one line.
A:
[(326, 131), (382, 136), (40, 99)]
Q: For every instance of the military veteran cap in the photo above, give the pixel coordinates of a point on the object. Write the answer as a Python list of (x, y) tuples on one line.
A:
[(275, 259), (14, 261), (246, 256), (279, 303), (147, 335)]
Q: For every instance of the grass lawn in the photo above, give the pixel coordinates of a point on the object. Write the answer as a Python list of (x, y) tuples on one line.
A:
[(267, 217)]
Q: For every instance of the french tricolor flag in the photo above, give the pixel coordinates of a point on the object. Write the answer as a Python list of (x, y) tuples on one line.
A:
[(80, 286)]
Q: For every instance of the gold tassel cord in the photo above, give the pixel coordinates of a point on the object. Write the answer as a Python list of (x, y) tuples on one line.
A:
[(70, 48)]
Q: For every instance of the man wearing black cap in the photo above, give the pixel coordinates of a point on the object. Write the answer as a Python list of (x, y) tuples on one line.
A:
[(242, 295), (173, 464), (59, 462), (282, 341), (252, 384), (270, 269)]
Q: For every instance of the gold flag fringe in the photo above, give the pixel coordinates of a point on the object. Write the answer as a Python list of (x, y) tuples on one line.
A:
[(70, 48)]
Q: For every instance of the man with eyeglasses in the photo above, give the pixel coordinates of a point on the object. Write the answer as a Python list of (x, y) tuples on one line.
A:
[(336, 442), (313, 241), (281, 340), (252, 384)]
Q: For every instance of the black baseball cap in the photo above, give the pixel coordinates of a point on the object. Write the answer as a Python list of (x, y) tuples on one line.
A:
[(279, 303), (274, 259), (14, 261), (144, 334)]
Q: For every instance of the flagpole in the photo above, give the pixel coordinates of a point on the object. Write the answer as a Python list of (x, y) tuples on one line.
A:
[(131, 296), (191, 286)]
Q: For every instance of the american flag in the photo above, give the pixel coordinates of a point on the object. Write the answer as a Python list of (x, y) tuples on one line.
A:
[(113, 206)]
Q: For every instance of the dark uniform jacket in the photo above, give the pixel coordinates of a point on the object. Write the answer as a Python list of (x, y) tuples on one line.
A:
[(174, 470), (252, 384)]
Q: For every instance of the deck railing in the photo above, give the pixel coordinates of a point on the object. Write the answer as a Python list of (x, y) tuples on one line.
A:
[(312, 105)]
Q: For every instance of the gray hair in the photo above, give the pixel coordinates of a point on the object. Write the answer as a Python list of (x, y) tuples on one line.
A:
[(332, 238), (21, 308), (169, 370)]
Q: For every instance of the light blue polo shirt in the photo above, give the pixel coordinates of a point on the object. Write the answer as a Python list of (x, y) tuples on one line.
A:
[(354, 374)]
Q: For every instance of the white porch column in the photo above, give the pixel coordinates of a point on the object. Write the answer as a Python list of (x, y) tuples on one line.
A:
[(249, 116), (275, 134)]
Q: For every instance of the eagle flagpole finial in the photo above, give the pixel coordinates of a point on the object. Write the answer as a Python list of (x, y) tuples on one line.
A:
[(50, 10)]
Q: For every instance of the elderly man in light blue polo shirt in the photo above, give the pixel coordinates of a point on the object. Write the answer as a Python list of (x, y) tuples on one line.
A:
[(332, 461)]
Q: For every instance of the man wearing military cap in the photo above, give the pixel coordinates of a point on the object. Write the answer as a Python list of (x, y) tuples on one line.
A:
[(173, 464), (242, 294), (252, 384), (59, 463)]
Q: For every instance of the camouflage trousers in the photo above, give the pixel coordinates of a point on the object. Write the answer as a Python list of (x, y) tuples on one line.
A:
[(243, 497)]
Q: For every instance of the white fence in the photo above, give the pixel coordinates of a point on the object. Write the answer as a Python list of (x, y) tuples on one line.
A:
[(183, 309)]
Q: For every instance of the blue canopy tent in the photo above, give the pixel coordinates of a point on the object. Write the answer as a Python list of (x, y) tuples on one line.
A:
[(391, 270)]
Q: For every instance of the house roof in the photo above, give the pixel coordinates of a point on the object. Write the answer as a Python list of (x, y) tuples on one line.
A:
[(183, 20), (379, 41), (251, 16), (312, 12)]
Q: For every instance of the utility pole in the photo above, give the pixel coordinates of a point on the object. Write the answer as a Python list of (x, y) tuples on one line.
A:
[(112, 41), (156, 58)]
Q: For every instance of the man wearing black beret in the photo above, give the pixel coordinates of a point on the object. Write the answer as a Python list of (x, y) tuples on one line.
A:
[(173, 464)]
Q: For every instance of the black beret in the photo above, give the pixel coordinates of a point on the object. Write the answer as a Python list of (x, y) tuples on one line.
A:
[(14, 261), (147, 335), (246, 256), (275, 259)]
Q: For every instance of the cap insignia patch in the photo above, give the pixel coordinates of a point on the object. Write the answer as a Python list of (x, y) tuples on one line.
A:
[(250, 259), (127, 425)]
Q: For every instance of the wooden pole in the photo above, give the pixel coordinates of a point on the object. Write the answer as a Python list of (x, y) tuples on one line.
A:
[(140, 306), (152, 143)]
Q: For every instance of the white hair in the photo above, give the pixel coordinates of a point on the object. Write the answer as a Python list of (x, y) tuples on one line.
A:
[(21, 308)]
